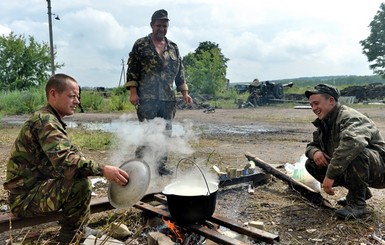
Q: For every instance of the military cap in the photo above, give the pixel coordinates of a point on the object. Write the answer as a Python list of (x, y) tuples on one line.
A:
[(324, 89), (160, 14)]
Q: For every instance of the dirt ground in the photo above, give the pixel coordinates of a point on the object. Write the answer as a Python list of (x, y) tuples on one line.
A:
[(275, 134)]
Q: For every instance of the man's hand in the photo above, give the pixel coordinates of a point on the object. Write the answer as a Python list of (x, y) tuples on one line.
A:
[(186, 97), (321, 159), (134, 98), (328, 185), (116, 175)]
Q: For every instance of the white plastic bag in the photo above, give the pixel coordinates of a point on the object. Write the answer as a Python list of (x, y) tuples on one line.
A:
[(299, 172)]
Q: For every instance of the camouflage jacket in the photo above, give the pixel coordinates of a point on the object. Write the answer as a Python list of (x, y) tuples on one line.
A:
[(343, 135), (152, 76), (42, 151)]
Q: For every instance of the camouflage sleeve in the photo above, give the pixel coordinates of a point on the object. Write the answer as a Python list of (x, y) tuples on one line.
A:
[(313, 146), (133, 67), (355, 133), (65, 159)]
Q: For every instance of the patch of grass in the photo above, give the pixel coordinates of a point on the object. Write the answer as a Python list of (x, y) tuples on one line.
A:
[(92, 139), (85, 139), (21, 102)]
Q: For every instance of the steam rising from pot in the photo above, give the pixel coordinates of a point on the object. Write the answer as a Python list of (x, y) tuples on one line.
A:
[(152, 134)]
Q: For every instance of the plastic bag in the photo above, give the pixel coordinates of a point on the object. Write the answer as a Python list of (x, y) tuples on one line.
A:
[(299, 172)]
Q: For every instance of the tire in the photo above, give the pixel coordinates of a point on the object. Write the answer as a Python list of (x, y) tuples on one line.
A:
[(278, 91)]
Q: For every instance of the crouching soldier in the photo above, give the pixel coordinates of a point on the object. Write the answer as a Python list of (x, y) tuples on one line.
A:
[(46, 173), (347, 150)]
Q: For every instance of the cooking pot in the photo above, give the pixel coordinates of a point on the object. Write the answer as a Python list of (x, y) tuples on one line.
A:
[(189, 203)]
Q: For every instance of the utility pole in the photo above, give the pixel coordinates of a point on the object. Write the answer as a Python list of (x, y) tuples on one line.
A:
[(122, 74), (51, 37)]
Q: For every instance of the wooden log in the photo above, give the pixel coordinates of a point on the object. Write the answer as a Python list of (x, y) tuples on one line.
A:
[(310, 194)]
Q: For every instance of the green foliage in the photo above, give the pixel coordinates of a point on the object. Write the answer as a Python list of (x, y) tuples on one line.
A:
[(374, 45), (116, 100), (117, 103), (25, 102), (206, 69), (22, 102), (91, 100), (92, 139), (24, 63)]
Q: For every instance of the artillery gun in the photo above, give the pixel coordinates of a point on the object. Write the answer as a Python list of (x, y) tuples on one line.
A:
[(264, 93)]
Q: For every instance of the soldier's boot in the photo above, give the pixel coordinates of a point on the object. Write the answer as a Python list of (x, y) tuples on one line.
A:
[(162, 170), (343, 201), (139, 152), (356, 206)]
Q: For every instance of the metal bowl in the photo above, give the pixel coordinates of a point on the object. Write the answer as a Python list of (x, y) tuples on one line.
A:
[(139, 180)]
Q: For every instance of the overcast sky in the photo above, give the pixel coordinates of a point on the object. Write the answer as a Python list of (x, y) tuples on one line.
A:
[(269, 40)]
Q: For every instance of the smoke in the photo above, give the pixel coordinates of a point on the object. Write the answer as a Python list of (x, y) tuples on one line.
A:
[(152, 134), (195, 173)]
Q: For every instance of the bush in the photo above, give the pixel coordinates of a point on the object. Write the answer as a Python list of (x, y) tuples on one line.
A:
[(91, 101), (22, 102)]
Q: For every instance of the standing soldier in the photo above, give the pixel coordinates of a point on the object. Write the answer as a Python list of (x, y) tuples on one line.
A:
[(154, 64)]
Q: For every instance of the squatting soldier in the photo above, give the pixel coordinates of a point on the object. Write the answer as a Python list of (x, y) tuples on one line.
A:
[(154, 64), (46, 173), (347, 150)]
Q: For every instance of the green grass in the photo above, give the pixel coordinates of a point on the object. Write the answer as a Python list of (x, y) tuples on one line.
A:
[(21, 102), (92, 139), (85, 139)]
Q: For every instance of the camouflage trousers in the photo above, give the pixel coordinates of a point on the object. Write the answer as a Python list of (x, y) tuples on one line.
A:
[(72, 197), (150, 109), (366, 170)]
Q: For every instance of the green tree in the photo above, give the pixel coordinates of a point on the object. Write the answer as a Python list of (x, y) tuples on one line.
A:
[(374, 45), (206, 69), (24, 63)]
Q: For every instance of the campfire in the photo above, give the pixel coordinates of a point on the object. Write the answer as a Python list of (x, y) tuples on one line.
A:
[(198, 233), (178, 235), (181, 236)]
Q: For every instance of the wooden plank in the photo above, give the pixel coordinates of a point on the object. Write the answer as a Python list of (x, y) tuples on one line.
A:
[(310, 194), (214, 235), (9, 221), (102, 204), (253, 232), (199, 229)]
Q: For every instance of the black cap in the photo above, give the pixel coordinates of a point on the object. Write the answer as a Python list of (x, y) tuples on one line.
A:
[(160, 14), (324, 89)]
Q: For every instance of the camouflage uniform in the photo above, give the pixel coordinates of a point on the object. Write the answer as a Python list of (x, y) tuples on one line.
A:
[(357, 152), (45, 173), (154, 80)]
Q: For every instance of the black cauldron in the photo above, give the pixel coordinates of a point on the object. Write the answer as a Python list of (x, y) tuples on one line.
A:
[(191, 202)]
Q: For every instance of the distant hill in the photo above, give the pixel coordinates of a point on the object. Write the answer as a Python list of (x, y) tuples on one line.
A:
[(343, 81)]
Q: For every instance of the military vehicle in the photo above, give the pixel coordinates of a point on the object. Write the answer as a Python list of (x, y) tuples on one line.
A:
[(264, 93)]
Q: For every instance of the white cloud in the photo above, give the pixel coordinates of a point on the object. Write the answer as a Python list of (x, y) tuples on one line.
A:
[(270, 40), (4, 30)]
